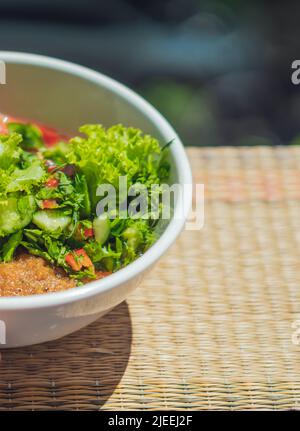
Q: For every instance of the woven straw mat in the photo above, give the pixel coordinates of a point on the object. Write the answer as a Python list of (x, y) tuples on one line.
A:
[(214, 326)]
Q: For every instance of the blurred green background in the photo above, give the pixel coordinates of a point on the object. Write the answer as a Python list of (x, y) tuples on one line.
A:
[(220, 71)]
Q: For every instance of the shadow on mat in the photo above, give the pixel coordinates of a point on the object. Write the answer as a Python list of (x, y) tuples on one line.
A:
[(79, 371)]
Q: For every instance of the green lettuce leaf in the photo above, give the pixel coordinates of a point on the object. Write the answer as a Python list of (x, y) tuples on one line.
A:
[(10, 151), (10, 246), (105, 155), (26, 179), (31, 135)]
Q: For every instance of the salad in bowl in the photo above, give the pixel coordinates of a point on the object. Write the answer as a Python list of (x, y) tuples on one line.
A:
[(50, 203)]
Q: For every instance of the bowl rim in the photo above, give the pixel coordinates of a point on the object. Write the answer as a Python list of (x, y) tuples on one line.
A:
[(183, 204)]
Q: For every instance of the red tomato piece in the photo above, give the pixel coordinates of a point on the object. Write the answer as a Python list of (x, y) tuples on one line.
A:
[(52, 183), (71, 261), (49, 204), (50, 136), (78, 259), (84, 258), (88, 233)]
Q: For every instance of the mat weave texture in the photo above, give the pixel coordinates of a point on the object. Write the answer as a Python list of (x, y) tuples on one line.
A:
[(214, 326)]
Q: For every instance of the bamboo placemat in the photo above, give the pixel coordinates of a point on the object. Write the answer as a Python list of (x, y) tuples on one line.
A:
[(211, 327)]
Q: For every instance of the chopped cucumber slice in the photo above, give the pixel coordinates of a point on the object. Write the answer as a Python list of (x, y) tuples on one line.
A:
[(15, 213), (51, 220), (101, 226), (133, 237)]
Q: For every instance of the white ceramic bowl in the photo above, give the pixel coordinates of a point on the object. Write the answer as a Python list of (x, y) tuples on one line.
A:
[(66, 95)]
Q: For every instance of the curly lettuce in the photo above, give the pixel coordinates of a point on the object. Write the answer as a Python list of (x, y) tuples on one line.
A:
[(107, 154)]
